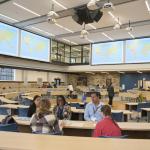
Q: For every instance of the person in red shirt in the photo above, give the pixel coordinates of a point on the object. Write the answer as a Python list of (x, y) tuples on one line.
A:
[(107, 127)]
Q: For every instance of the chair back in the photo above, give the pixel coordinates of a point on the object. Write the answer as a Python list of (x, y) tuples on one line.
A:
[(117, 116), (4, 111), (9, 127), (119, 137), (22, 112), (142, 105)]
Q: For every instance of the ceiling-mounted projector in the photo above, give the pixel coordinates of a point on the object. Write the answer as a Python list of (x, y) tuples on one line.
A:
[(108, 6), (52, 15), (129, 28), (93, 5), (84, 34)]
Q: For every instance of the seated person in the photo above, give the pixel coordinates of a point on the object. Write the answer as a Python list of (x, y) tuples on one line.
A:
[(92, 110), (49, 85), (34, 105), (43, 121), (107, 126), (62, 110)]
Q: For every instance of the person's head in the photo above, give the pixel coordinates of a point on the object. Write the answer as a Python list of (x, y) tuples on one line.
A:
[(36, 100), (95, 97), (106, 111), (61, 100), (44, 106)]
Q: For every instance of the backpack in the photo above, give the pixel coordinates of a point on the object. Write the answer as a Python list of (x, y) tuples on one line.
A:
[(8, 120)]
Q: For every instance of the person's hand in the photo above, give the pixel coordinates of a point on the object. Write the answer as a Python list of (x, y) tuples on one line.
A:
[(61, 124)]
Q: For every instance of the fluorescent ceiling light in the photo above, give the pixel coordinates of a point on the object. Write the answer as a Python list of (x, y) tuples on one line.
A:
[(121, 72), (87, 48), (115, 18), (66, 40), (139, 72), (64, 28), (62, 6), (69, 41), (74, 43), (147, 5), (107, 36), (92, 26), (50, 34), (89, 40), (131, 35), (9, 18), (22, 7), (90, 73), (105, 72), (76, 49)]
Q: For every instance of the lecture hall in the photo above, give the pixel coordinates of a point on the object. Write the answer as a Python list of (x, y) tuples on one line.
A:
[(74, 74)]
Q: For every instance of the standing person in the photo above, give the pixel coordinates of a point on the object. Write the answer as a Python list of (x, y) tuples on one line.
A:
[(111, 93), (43, 121), (70, 88), (62, 110), (34, 105), (107, 126), (92, 110)]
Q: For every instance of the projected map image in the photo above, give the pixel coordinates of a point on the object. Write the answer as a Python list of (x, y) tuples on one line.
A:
[(138, 50), (8, 40), (34, 46), (107, 53)]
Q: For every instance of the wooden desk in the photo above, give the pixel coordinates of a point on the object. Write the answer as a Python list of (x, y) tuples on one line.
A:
[(146, 112), (131, 106), (28, 97), (21, 141), (85, 128), (10, 95), (5, 100), (12, 106), (80, 113)]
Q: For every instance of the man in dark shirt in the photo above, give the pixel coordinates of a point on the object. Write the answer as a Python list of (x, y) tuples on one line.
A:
[(111, 93)]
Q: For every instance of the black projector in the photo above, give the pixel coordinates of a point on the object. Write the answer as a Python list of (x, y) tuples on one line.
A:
[(84, 15)]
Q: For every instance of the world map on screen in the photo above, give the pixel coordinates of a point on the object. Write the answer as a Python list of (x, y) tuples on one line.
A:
[(107, 53), (138, 50), (34, 46), (8, 40)]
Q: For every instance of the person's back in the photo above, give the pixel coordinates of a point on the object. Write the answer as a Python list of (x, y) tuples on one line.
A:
[(107, 127), (43, 121)]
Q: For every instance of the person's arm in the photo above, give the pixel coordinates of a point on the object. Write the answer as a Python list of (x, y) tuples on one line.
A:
[(54, 124), (86, 114), (67, 112)]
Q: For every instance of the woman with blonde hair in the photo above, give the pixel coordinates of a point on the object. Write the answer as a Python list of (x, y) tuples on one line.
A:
[(43, 121)]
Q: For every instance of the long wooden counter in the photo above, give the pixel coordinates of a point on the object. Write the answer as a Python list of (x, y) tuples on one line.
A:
[(21, 141), (85, 128)]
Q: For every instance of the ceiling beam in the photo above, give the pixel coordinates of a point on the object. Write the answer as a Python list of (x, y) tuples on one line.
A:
[(65, 13), (105, 29), (4, 1)]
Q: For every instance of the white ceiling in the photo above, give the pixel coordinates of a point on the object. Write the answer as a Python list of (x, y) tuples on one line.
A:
[(134, 11)]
